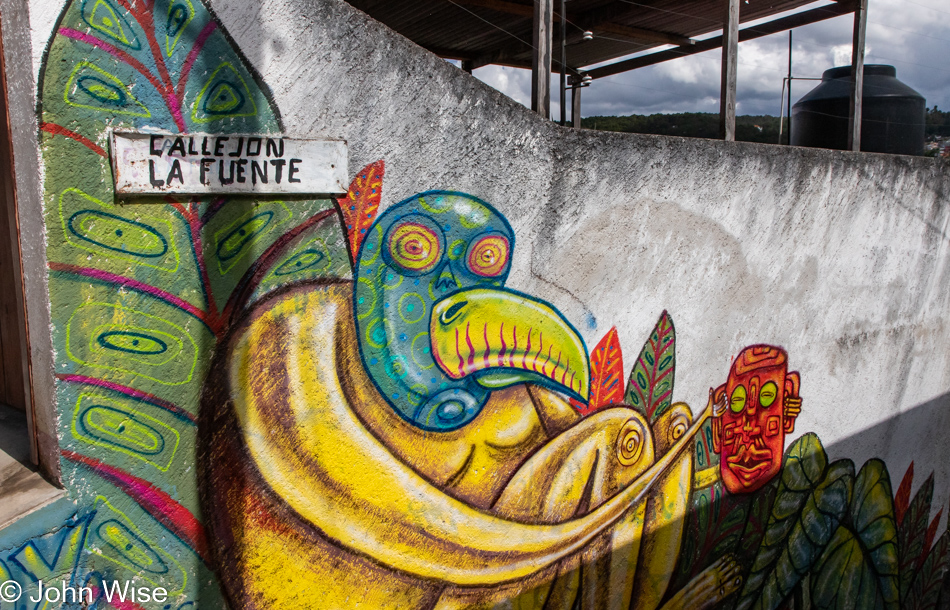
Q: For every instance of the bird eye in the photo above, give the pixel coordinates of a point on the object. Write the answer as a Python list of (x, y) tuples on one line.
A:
[(414, 246), (737, 403), (488, 255), (768, 394)]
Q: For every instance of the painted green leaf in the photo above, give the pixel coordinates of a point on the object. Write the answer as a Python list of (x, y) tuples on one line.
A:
[(859, 567), (703, 532), (872, 515), (650, 388), (843, 580), (757, 522), (803, 471), (717, 523), (821, 514), (925, 590), (720, 523), (912, 533)]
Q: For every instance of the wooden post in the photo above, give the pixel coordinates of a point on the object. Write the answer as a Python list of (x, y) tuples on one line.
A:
[(789, 109), (541, 58), (15, 380), (562, 39), (576, 103), (857, 74), (468, 65), (730, 55)]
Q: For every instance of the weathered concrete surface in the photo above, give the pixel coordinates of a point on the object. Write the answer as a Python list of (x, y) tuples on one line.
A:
[(841, 258)]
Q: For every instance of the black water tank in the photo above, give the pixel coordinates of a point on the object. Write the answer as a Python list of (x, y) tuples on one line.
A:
[(893, 114)]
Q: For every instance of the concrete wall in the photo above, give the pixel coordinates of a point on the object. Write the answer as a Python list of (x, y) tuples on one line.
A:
[(847, 254), (841, 259)]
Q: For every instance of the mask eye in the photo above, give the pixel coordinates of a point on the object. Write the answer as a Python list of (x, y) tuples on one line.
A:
[(737, 402), (488, 255), (768, 394), (413, 245)]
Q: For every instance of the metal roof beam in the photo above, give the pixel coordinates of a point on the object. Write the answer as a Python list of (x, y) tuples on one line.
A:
[(641, 34), (515, 60), (758, 31), (607, 18), (448, 53), (510, 8), (512, 55), (596, 19), (517, 54)]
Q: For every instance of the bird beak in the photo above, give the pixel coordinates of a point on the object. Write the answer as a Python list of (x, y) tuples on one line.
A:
[(503, 337)]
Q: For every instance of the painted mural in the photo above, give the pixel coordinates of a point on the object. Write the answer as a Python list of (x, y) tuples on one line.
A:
[(315, 404)]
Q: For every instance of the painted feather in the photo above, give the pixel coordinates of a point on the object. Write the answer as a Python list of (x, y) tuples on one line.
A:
[(929, 538), (902, 497), (606, 374), (650, 388), (361, 203), (925, 592), (912, 534)]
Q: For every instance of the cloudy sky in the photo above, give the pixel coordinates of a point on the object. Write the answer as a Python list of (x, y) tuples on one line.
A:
[(912, 35)]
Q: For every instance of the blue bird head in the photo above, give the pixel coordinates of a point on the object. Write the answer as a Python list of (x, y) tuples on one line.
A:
[(429, 268)]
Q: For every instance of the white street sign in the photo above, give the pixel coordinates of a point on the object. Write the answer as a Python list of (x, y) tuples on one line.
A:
[(198, 164)]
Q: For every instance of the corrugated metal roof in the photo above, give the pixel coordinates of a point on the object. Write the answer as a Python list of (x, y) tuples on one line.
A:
[(500, 31)]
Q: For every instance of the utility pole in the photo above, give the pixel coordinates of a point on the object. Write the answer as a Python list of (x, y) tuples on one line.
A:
[(857, 74), (730, 55), (576, 101), (541, 58), (563, 62), (789, 105)]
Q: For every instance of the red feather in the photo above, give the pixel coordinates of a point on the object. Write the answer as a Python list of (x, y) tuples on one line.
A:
[(929, 540), (606, 373), (902, 498), (361, 203)]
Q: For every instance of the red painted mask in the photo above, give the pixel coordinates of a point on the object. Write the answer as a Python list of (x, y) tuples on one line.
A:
[(761, 404)]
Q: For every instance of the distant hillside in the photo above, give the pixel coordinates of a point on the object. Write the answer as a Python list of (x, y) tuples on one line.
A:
[(749, 128), (938, 123)]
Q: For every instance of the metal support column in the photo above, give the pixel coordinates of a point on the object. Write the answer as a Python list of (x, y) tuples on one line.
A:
[(541, 58), (789, 108), (857, 74), (730, 55), (563, 41), (576, 102)]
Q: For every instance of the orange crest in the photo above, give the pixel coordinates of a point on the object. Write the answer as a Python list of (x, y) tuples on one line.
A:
[(361, 203), (606, 372)]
